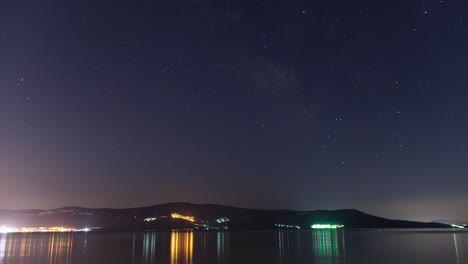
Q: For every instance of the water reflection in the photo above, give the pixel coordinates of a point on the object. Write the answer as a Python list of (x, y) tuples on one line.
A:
[(181, 247), (289, 246), (458, 248), (149, 247), (2, 247), (222, 246), (52, 248), (186, 247), (329, 246), (178, 247), (60, 248)]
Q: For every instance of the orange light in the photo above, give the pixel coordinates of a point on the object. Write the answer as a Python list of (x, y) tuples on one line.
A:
[(183, 217)]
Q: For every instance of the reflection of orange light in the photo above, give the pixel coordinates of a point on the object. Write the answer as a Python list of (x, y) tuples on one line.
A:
[(55, 248), (181, 247), (183, 217), (60, 248), (51, 249), (191, 247)]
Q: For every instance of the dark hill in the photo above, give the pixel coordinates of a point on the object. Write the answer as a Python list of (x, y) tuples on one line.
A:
[(204, 214)]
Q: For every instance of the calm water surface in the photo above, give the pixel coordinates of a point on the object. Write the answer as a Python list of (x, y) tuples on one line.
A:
[(325, 246)]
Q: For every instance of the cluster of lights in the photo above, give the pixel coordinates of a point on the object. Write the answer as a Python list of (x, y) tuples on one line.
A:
[(287, 226), (326, 226), (183, 217), (150, 219), (222, 220), (207, 227), (55, 229), (458, 226)]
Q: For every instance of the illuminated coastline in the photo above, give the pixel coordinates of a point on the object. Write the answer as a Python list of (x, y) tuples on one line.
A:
[(326, 226), (287, 226), (54, 229)]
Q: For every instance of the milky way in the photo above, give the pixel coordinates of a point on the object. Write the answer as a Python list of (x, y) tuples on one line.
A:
[(261, 104)]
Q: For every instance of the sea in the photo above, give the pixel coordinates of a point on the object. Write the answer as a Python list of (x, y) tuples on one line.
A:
[(347, 246)]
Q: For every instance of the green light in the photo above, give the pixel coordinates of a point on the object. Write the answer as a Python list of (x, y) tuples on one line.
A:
[(458, 226), (326, 226)]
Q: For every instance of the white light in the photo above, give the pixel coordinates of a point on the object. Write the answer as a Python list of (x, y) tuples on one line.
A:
[(222, 220), (4, 230), (326, 226)]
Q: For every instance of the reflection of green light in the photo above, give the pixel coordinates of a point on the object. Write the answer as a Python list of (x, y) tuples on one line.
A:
[(326, 246), (326, 226), (457, 245)]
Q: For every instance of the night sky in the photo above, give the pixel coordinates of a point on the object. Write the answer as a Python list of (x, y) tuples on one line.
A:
[(255, 103)]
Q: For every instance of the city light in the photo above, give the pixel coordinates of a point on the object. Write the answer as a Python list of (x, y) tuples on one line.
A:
[(326, 226), (150, 219), (183, 217), (54, 229), (4, 229), (457, 226), (222, 220), (287, 226)]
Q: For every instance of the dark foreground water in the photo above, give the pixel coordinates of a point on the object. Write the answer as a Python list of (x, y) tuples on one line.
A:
[(325, 246)]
